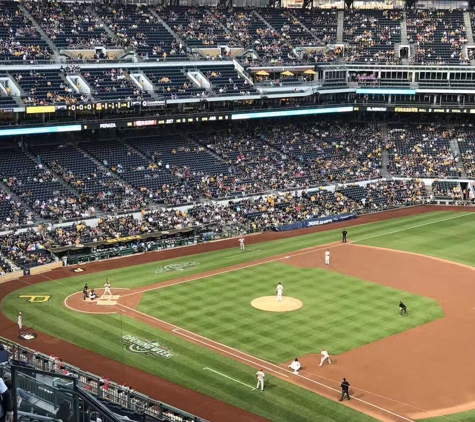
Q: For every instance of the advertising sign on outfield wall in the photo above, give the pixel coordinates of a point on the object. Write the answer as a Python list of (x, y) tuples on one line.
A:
[(316, 222)]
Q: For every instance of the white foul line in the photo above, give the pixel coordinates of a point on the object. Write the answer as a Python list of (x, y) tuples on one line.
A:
[(414, 227), (208, 342), (225, 376), (303, 252), (178, 330)]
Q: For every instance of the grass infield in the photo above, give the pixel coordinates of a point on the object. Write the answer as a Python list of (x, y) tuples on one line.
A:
[(444, 234), (339, 312)]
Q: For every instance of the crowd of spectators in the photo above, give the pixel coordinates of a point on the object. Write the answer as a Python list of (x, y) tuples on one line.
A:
[(322, 23), (422, 151), (299, 156), (194, 25), (371, 35), (265, 212), (13, 213), (19, 40), (70, 25), (26, 249), (438, 36), (115, 227), (447, 190), (274, 34)]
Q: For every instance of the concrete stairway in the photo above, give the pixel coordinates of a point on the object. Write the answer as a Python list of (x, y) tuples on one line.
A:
[(429, 192), (384, 165), (404, 29), (385, 153), (109, 31), (14, 196), (221, 25), (166, 26), (60, 179), (454, 145), (468, 27), (263, 20), (303, 25), (339, 31), (56, 56)]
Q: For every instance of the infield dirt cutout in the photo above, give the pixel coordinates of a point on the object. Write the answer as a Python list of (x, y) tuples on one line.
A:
[(270, 304), (391, 375)]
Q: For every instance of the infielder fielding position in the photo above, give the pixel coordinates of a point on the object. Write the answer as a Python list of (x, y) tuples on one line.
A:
[(260, 379)]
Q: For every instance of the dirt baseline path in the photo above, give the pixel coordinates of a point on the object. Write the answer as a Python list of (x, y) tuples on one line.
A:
[(199, 404), (421, 372)]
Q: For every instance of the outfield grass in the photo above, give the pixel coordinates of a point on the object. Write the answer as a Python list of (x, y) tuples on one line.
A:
[(456, 417), (339, 312), (431, 237), (452, 240)]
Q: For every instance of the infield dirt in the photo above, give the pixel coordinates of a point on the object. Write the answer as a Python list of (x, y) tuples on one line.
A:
[(432, 382)]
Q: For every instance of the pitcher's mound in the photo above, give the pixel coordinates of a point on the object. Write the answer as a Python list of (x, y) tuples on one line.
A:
[(269, 303)]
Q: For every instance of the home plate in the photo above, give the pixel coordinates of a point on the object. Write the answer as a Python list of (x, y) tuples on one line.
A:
[(113, 297), (107, 302)]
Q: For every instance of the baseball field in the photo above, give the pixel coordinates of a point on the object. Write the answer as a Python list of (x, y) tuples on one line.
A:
[(191, 319)]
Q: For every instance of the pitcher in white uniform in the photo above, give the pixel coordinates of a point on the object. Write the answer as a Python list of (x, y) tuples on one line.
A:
[(280, 290)]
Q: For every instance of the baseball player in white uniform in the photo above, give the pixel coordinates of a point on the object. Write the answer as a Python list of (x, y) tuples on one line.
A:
[(325, 356), (260, 379), (295, 366), (241, 244), (20, 321), (327, 257), (107, 289), (279, 289)]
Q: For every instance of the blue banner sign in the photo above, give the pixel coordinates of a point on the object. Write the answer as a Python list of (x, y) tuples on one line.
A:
[(315, 222)]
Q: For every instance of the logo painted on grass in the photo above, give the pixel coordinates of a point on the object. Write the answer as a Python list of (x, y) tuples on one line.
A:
[(176, 267), (35, 299), (147, 347)]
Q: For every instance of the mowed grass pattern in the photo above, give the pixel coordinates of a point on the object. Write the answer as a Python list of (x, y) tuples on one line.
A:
[(452, 240), (339, 312), (457, 417), (102, 333)]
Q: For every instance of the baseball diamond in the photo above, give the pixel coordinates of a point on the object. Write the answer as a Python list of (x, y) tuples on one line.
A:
[(194, 340)]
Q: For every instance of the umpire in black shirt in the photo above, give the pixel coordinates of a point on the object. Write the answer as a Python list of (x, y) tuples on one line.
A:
[(402, 309), (345, 390), (344, 234)]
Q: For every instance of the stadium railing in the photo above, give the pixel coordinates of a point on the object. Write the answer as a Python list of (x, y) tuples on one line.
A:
[(104, 390)]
